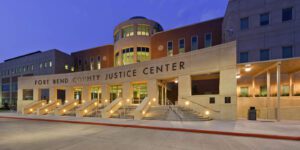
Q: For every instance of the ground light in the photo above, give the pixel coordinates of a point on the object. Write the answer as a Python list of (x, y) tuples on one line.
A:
[(207, 112), (187, 103)]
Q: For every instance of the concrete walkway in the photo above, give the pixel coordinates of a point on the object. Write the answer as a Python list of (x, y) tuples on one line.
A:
[(289, 130)]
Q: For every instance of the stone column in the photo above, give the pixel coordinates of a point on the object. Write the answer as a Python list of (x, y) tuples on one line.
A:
[(126, 91), (291, 80), (253, 87), (69, 94), (36, 94), (184, 86), (152, 88), (278, 91), (20, 100), (105, 93), (86, 93), (268, 84), (53, 94)]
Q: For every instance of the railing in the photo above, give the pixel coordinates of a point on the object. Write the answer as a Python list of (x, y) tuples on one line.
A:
[(48, 107), (172, 107), (88, 108), (111, 108), (142, 109), (195, 103), (31, 108), (66, 107)]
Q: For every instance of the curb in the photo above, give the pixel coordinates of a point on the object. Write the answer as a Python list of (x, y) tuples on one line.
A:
[(240, 134)]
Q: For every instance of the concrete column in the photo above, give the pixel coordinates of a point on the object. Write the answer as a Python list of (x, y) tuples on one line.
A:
[(105, 93), (126, 91), (20, 100), (53, 94), (253, 87), (268, 84), (165, 94), (291, 80), (184, 86), (86, 93), (152, 88), (69, 94), (36, 94), (278, 92)]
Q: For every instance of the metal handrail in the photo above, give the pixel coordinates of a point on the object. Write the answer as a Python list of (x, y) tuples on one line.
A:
[(173, 110), (205, 107)]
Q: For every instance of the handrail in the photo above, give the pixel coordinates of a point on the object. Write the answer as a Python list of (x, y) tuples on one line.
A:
[(174, 110), (205, 107)]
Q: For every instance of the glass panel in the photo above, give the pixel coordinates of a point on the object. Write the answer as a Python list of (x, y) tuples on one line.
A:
[(264, 19), (243, 57), (287, 14), (287, 52), (263, 91), (194, 45), (95, 93), (244, 92), (181, 46), (170, 48), (139, 92), (27, 94), (143, 30), (264, 54), (244, 23), (115, 92), (128, 31), (208, 40), (77, 93)]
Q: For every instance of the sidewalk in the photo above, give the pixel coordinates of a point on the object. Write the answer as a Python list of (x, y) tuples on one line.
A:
[(287, 130)]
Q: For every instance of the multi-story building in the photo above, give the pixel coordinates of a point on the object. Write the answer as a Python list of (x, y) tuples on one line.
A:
[(264, 29), (36, 63)]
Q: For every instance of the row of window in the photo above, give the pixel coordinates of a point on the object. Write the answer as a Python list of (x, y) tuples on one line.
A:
[(194, 44), (23, 69), (244, 91), (287, 52), (142, 30), (264, 18), (127, 56), (92, 63)]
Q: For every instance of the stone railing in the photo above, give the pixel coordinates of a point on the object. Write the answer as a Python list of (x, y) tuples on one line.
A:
[(66, 107), (142, 109), (31, 108), (112, 107), (87, 108), (48, 107)]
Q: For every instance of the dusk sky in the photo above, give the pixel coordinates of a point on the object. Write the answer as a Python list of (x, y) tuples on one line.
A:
[(72, 25)]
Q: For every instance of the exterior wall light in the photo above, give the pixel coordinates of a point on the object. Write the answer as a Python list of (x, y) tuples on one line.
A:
[(83, 101), (176, 81), (75, 104), (57, 103), (43, 104), (120, 103), (207, 112), (50, 101), (66, 101), (149, 103), (154, 99), (144, 112), (31, 109), (46, 110), (85, 111), (187, 103), (111, 111), (64, 110), (106, 101), (128, 100), (95, 103)]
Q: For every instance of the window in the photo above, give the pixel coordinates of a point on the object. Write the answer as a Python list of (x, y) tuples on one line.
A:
[(244, 92), (67, 67), (117, 36), (143, 54), (27, 94), (181, 46), (128, 31), (264, 19), (205, 84), (208, 40), (287, 52), (41, 65), (263, 91), (194, 45), (264, 54), (117, 59), (287, 14), (285, 90), (128, 56), (143, 30), (244, 23), (170, 48), (50, 64), (243, 57)]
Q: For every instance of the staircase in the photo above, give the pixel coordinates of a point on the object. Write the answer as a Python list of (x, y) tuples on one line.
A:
[(96, 112), (71, 112), (174, 113), (125, 112)]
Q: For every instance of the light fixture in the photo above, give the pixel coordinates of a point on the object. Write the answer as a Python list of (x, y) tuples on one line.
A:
[(96, 103), (46, 110), (83, 101), (111, 111), (144, 112), (75, 104), (120, 103), (207, 112), (238, 76), (106, 101), (248, 68), (154, 99), (176, 81), (187, 103), (64, 110), (149, 103), (50, 101), (128, 100), (57, 103), (43, 104), (85, 111), (66, 101), (31, 109)]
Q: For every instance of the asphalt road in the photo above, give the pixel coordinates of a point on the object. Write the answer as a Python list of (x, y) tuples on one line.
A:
[(39, 135)]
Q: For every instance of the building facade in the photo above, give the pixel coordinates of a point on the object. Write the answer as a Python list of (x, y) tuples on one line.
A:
[(264, 29), (36, 63)]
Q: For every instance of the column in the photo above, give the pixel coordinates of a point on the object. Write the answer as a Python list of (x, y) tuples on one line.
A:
[(291, 80), (36, 94), (1, 92), (105, 93), (268, 83), (184, 86), (278, 92), (86, 94), (20, 100), (152, 88), (165, 94), (253, 87), (126, 91), (53, 94), (69, 94)]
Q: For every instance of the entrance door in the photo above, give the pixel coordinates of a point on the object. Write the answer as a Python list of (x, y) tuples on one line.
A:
[(96, 93), (115, 92), (61, 95), (44, 94), (139, 92), (172, 93)]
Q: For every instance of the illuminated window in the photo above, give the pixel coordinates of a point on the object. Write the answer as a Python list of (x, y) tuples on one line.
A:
[(72, 69), (143, 54), (128, 31), (181, 46), (67, 67), (244, 92), (41, 65), (117, 36), (50, 64), (170, 48), (143, 30), (117, 59), (128, 56)]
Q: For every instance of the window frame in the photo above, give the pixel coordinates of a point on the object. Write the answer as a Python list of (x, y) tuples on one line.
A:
[(179, 52), (282, 14), (170, 41), (197, 42), (241, 57), (261, 23), (211, 39), (260, 54), (282, 51), (241, 27)]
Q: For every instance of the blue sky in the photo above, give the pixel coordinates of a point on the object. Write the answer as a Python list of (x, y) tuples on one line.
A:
[(72, 25)]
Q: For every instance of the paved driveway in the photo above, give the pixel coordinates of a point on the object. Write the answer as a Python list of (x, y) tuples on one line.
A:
[(36, 135)]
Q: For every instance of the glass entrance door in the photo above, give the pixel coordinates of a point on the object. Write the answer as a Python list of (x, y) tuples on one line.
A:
[(139, 92), (96, 93), (115, 92), (78, 94)]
